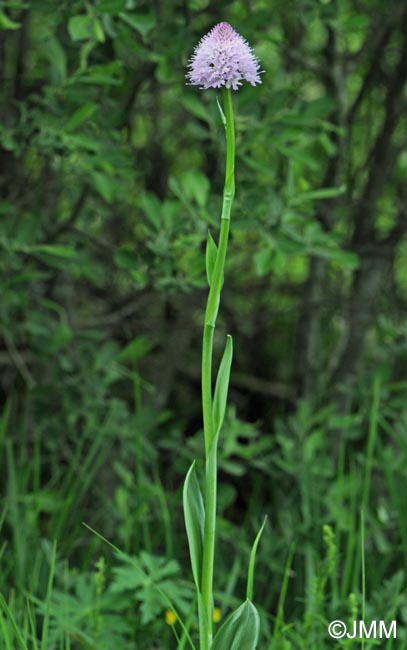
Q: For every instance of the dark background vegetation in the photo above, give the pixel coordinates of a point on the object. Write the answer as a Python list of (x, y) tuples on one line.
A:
[(111, 173)]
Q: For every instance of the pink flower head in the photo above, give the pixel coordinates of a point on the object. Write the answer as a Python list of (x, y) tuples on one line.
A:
[(223, 58)]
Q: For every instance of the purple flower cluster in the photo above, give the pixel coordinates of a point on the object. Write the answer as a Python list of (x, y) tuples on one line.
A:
[(223, 58)]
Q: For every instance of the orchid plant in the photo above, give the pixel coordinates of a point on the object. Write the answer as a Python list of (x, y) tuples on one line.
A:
[(224, 60)]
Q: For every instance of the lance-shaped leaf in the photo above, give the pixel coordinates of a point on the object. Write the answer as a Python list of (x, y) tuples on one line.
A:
[(210, 257), (222, 114), (222, 386), (252, 561), (240, 631), (194, 514)]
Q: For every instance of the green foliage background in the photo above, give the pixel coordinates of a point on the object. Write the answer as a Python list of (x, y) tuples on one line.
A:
[(111, 173)]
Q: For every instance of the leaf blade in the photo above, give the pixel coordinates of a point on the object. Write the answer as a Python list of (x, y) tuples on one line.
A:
[(210, 257), (252, 560), (194, 514), (240, 631), (222, 386)]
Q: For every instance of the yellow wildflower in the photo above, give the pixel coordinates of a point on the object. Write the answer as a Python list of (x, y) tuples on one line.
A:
[(170, 617), (216, 615)]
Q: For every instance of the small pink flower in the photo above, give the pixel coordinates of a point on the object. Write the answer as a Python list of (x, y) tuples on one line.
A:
[(223, 58)]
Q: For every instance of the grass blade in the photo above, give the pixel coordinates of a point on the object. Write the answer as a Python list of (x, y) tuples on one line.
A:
[(12, 622)]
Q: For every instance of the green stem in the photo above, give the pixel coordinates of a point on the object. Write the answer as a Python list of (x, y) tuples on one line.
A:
[(207, 349)]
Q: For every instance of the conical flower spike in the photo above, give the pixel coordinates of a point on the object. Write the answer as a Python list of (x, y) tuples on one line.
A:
[(223, 58)]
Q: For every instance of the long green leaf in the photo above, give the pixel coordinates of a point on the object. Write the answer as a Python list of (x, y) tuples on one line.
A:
[(222, 386), (250, 573), (240, 631), (194, 514), (47, 615), (14, 626), (211, 253)]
